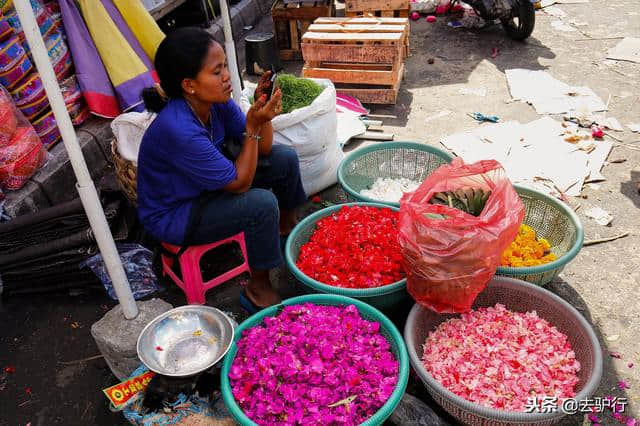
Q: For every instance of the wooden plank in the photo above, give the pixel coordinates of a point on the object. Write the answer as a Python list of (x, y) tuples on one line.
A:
[(387, 13), (352, 76), (368, 54), (282, 34), (290, 55), (304, 26), (371, 96), (403, 13), (352, 66), (348, 28), (382, 95), (293, 34), (353, 37), (279, 11), (362, 21), (367, 5)]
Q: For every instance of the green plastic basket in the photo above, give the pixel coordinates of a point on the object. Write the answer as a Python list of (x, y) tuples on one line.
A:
[(387, 329), (557, 223), (385, 297), (410, 160)]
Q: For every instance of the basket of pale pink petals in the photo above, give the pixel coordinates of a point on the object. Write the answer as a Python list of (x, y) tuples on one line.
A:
[(522, 355)]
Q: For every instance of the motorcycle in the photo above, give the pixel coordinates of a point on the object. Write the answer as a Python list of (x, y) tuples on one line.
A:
[(518, 17)]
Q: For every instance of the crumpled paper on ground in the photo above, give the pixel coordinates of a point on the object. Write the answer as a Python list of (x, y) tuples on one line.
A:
[(627, 50), (534, 154), (551, 96), (601, 216)]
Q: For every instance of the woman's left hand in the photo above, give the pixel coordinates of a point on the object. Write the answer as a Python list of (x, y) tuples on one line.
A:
[(263, 85), (263, 111)]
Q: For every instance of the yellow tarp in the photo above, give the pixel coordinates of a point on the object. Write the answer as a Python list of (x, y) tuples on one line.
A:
[(141, 24), (119, 59)]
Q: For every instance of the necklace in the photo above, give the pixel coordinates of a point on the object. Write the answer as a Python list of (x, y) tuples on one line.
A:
[(210, 128)]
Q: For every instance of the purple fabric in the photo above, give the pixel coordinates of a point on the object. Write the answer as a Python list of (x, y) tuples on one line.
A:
[(92, 76), (129, 92), (117, 18)]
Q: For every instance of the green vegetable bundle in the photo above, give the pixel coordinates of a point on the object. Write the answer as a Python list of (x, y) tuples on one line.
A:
[(297, 92)]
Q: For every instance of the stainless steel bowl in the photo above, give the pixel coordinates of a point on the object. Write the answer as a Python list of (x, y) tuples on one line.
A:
[(185, 341)]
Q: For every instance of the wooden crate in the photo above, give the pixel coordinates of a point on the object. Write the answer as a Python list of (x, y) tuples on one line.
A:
[(367, 65), (379, 8), (365, 24), (291, 20)]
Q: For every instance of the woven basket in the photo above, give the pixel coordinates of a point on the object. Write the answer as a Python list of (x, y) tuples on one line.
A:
[(126, 173), (385, 297), (410, 160), (518, 296), (557, 223), (387, 329)]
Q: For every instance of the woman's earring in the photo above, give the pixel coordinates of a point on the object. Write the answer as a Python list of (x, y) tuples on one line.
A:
[(193, 91)]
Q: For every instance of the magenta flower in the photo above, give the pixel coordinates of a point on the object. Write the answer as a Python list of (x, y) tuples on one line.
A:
[(622, 384), (297, 365)]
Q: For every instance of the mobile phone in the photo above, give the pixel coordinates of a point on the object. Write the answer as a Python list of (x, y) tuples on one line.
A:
[(272, 83)]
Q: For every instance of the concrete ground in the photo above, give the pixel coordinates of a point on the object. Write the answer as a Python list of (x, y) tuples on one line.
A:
[(602, 282)]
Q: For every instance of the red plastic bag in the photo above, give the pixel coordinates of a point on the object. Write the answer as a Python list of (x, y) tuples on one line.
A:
[(449, 261), (21, 152)]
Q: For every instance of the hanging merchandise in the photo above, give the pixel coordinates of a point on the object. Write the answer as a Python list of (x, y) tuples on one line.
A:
[(127, 65), (19, 76), (6, 30), (21, 152), (6, 5), (59, 55), (30, 96), (72, 95), (91, 74)]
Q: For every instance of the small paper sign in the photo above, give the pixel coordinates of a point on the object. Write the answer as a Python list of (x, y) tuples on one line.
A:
[(122, 392)]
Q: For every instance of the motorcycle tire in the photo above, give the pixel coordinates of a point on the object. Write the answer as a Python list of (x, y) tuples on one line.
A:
[(525, 14)]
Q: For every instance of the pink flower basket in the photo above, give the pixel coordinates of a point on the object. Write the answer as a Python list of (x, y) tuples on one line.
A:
[(516, 296)]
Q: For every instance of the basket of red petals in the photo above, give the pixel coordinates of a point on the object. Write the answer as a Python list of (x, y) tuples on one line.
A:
[(350, 250)]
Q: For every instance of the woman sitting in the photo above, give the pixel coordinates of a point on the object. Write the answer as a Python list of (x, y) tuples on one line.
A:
[(193, 186)]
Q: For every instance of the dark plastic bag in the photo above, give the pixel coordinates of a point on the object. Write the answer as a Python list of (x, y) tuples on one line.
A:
[(413, 412), (138, 265), (449, 261)]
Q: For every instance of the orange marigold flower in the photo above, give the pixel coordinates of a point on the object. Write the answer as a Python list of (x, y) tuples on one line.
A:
[(527, 250)]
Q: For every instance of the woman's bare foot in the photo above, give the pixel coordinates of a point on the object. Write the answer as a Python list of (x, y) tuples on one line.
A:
[(259, 290)]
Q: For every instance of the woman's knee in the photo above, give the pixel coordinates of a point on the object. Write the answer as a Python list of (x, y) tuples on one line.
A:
[(263, 204), (284, 157)]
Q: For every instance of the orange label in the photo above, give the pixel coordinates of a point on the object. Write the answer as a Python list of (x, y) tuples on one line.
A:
[(122, 392)]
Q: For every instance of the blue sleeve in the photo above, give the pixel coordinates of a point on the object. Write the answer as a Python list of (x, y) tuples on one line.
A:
[(202, 163), (234, 120)]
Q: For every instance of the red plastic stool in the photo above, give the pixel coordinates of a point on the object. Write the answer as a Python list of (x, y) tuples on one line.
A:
[(189, 259)]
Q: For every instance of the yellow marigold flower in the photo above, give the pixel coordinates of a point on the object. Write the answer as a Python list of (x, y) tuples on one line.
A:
[(527, 250)]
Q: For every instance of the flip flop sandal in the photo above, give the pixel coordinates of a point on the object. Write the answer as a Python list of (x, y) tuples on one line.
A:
[(248, 305)]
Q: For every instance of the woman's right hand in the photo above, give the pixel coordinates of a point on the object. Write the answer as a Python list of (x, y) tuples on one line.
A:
[(262, 112)]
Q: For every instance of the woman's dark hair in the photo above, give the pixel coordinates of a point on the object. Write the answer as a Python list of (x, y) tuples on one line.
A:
[(179, 56)]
